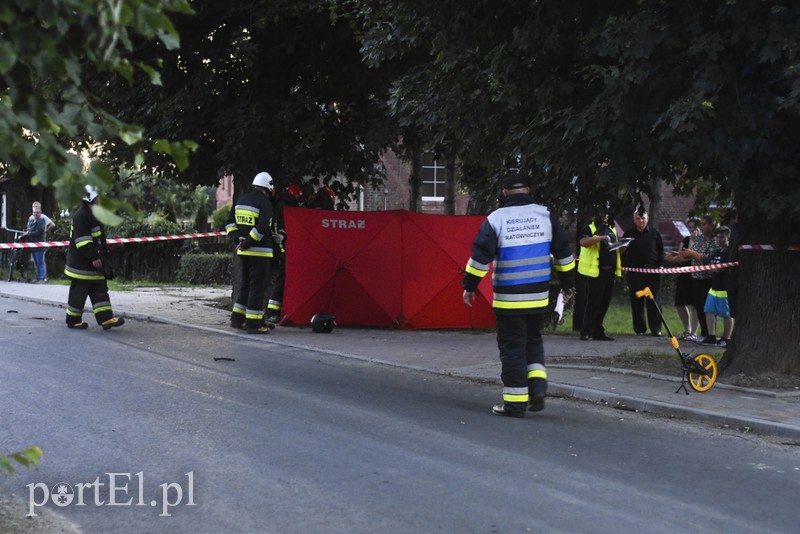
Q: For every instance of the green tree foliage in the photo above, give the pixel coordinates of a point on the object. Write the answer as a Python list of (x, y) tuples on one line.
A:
[(48, 118), (274, 86), (219, 218), (169, 209), (201, 218), (147, 195), (620, 95), (26, 458)]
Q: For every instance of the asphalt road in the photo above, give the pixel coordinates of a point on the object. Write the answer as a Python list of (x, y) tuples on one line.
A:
[(211, 433)]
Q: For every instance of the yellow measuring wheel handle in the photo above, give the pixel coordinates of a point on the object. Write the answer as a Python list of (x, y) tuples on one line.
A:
[(645, 293), (700, 382)]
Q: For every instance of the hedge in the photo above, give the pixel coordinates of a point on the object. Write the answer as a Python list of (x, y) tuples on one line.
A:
[(205, 269)]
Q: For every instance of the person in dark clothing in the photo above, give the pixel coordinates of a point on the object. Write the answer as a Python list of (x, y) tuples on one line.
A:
[(700, 253), (249, 227), (646, 251), (323, 199), (684, 303), (520, 238), (292, 197), (599, 265), (87, 268)]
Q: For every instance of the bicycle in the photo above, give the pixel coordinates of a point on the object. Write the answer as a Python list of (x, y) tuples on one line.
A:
[(19, 259), (700, 370)]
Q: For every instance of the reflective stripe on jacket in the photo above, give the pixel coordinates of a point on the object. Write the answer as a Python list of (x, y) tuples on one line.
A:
[(589, 258), (250, 218), (86, 236), (520, 238)]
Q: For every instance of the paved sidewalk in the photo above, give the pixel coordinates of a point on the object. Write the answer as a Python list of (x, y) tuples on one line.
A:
[(473, 354)]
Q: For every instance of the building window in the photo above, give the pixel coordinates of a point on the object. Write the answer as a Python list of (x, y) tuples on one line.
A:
[(433, 178)]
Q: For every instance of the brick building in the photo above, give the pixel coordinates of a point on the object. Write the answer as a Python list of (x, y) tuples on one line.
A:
[(396, 191)]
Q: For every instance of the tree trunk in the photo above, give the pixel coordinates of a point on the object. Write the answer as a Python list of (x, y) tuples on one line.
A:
[(766, 332), (654, 210), (414, 181)]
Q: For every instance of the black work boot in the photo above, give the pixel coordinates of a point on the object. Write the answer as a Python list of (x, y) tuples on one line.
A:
[(536, 404), (507, 410)]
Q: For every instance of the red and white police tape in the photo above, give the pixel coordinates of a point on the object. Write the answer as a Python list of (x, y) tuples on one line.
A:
[(687, 269), (111, 240), (769, 247)]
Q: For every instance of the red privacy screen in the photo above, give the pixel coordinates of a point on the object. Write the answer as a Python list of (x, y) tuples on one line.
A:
[(392, 269)]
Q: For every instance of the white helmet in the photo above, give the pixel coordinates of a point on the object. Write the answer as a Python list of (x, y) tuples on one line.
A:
[(263, 179), (91, 193)]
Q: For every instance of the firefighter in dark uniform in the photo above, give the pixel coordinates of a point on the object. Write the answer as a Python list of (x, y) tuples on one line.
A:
[(292, 196), (520, 238), (87, 267), (249, 228)]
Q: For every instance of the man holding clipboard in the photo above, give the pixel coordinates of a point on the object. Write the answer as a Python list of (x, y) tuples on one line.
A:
[(600, 265)]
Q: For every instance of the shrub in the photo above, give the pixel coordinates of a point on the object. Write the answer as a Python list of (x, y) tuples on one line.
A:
[(205, 269), (201, 219), (220, 218)]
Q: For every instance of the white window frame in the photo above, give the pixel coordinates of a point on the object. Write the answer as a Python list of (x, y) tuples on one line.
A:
[(438, 169)]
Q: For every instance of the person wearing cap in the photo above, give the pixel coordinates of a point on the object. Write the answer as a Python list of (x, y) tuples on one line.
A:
[(520, 238), (599, 265), (646, 251), (249, 228), (87, 267)]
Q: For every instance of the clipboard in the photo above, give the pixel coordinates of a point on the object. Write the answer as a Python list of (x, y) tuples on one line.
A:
[(620, 244)]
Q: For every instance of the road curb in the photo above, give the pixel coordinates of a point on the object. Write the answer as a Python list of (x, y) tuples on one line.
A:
[(638, 404)]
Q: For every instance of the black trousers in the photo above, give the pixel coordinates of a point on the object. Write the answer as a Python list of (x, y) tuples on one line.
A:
[(637, 282), (519, 339), (278, 283), (249, 305), (598, 300), (97, 291)]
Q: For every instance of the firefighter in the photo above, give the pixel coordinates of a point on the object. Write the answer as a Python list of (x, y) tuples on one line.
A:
[(88, 268), (292, 196), (520, 238), (249, 228)]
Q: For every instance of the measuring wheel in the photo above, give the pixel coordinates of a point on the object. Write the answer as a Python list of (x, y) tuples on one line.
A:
[(702, 373)]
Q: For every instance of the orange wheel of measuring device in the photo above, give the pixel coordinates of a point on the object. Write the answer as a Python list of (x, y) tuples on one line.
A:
[(703, 381)]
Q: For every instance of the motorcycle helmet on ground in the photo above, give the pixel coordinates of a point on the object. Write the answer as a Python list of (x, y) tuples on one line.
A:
[(323, 323)]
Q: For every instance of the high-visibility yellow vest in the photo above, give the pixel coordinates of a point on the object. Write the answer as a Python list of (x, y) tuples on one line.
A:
[(589, 258)]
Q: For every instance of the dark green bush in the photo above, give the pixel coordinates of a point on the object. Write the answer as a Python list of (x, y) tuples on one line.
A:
[(201, 219), (205, 269), (220, 218), (157, 261)]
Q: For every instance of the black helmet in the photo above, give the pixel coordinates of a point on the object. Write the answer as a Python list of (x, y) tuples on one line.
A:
[(323, 323)]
